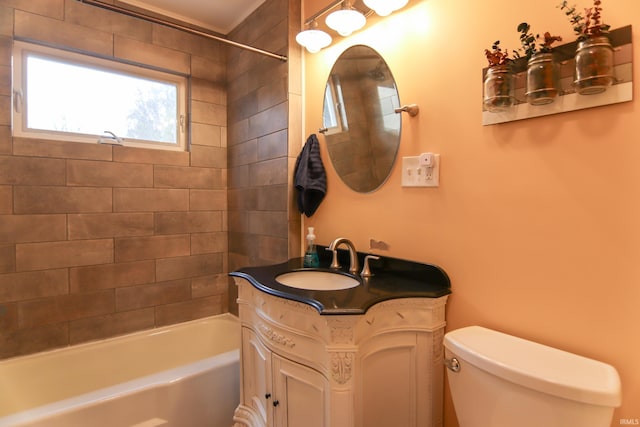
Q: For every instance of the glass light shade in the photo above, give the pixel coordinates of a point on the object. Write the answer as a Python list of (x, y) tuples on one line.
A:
[(346, 21), (313, 40), (385, 7)]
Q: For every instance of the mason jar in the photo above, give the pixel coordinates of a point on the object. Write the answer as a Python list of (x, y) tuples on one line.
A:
[(499, 85), (594, 65), (542, 79)]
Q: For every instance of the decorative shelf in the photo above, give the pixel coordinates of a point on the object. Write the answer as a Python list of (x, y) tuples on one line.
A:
[(620, 91)]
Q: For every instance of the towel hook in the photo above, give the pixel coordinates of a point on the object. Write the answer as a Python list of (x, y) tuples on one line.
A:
[(412, 109)]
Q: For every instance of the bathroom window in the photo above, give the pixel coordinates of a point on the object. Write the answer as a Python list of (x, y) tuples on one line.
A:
[(67, 96)]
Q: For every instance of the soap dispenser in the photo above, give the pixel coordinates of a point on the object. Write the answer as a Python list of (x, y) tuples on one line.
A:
[(311, 254)]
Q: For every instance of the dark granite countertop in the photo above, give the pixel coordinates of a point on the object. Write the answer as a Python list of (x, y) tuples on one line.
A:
[(393, 278)]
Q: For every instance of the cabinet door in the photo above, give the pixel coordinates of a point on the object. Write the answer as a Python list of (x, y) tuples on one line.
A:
[(301, 395), (393, 370), (256, 376)]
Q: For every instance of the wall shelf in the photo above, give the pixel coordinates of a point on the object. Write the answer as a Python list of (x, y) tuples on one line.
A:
[(621, 91)]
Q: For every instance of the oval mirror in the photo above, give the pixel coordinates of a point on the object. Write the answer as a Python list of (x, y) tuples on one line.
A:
[(360, 125)]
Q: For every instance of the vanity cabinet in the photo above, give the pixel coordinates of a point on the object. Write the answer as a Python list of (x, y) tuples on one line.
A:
[(280, 392), (302, 369)]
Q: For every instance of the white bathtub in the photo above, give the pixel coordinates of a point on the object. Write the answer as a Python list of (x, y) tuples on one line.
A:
[(184, 375)]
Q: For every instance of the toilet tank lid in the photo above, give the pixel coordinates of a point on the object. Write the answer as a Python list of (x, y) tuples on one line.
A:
[(536, 366)]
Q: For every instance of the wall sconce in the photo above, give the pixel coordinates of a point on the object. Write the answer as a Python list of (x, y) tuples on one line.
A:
[(346, 20), (313, 39), (385, 7)]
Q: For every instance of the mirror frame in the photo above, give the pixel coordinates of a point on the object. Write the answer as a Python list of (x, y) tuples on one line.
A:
[(360, 124)]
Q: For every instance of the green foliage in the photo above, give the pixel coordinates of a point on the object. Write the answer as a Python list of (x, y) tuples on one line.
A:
[(531, 44), (589, 25)]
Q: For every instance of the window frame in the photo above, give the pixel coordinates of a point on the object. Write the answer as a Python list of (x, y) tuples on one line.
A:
[(20, 52)]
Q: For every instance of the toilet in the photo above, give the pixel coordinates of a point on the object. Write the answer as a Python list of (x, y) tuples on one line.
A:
[(498, 380)]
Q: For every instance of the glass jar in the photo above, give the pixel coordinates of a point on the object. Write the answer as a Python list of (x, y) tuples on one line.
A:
[(594, 65), (498, 88), (542, 79)]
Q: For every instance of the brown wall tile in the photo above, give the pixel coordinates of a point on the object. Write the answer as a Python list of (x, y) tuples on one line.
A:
[(51, 8), (202, 243), (100, 19), (208, 157), (209, 89), (204, 134), (92, 226), (210, 285), (61, 200), (147, 155), (208, 200), (209, 113), (35, 27), (268, 223), (187, 177), (150, 200), (269, 172), (31, 171), (33, 340), (273, 145), (100, 327), (7, 258), (40, 256), (6, 199), (62, 149), (108, 174), (9, 321), (189, 266), (32, 228), (35, 284), (66, 307), (6, 145), (107, 276), (189, 310), (152, 247), (146, 53), (5, 110), (187, 222), (136, 297)]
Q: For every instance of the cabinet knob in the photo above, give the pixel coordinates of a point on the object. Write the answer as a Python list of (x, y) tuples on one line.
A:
[(276, 403), (267, 396)]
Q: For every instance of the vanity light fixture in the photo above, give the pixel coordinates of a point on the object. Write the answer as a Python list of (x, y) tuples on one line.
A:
[(385, 7), (313, 39), (346, 20)]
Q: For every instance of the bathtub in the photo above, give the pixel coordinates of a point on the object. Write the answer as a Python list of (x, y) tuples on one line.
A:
[(184, 375)]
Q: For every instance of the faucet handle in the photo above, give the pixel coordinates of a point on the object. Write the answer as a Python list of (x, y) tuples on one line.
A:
[(334, 260), (366, 272)]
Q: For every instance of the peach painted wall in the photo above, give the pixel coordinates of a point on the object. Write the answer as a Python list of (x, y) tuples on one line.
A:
[(537, 222)]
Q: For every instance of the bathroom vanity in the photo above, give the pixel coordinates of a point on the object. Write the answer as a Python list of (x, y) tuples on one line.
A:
[(367, 356)]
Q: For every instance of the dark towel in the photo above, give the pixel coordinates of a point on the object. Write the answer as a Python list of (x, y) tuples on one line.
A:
[(310, 178)]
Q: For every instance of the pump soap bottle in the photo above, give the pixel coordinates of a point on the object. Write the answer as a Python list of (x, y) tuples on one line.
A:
[(311, 254)]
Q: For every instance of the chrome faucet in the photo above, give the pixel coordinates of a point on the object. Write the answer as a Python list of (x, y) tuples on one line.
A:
[(353, 255)]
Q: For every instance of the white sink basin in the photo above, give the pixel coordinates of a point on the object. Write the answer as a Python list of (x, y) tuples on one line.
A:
[(314, 280)]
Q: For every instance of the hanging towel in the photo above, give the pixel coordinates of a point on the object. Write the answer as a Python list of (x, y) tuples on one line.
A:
[(310, 178)]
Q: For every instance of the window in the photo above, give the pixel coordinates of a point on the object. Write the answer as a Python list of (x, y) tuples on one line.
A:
[(334, 114), (68, 96)]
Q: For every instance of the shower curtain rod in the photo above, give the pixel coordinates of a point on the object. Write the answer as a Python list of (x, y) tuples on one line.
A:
[(128, 12)]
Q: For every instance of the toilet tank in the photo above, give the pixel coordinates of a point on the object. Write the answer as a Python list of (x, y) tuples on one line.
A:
[(505, 381)]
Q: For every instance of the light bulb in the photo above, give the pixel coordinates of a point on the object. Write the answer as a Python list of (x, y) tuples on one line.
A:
[(346, 21), (385, 7), (313, 40)]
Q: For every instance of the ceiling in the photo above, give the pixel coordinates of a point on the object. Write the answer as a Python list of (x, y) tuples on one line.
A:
[(220, 16)]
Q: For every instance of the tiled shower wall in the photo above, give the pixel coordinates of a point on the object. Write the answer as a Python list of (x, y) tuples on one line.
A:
[(264, 99), (95, 240)]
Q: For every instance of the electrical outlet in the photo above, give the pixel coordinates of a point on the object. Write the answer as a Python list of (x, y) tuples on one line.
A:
[(416, 175)]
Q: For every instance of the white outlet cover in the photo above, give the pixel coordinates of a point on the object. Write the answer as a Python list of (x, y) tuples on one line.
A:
[(414, 175)]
